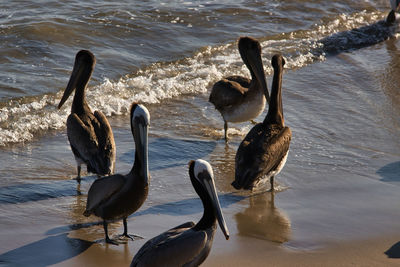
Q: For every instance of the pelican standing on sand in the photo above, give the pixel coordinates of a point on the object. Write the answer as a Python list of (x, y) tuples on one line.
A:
[(188, 244), (240, 99), (263, 152), (117, 196), (89, 134)]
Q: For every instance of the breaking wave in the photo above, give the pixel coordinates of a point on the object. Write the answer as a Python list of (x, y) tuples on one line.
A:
[(24, 118)]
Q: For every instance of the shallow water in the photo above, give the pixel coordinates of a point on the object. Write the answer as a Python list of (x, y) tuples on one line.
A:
[(340, 97)]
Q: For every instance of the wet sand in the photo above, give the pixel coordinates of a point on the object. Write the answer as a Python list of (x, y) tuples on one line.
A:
[(355, 253), (260, 236)]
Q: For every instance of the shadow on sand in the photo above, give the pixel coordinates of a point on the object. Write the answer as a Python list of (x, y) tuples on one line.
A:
[(45, 252), (390, 172), (394, 251)]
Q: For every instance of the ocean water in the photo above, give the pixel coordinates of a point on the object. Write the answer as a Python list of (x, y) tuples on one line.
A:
[(340, 94)]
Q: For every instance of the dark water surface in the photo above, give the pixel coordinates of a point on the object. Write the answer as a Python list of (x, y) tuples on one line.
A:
[(340, 94)]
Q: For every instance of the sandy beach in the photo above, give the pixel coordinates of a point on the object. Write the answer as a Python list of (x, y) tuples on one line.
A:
[(337, 198)]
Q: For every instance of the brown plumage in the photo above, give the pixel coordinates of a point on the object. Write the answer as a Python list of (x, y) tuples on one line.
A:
[(263, 152), (237, 98), (117, 196), (188, 244), (89, 134)]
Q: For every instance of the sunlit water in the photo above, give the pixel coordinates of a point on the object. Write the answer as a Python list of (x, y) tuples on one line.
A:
[(340, 95)]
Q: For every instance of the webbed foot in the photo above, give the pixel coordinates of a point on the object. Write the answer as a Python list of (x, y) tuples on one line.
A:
[(131, 237), (112, 242)]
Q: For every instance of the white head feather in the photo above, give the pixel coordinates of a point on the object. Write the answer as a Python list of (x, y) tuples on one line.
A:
[(202, 165), (141, 111)]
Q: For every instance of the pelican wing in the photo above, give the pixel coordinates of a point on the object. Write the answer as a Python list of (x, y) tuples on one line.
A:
[(229, 91), (243, 81), (260, 152), (82, 138), (175, 247), (102, 189), (275, 150), (106, 142)]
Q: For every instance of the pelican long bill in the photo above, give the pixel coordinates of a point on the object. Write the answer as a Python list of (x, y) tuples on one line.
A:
[(211, 190)]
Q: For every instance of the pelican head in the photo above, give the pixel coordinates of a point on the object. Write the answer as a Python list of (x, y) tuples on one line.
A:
[(140, 121), (277, 61), (83, 68), (202, 178), (250, 51)]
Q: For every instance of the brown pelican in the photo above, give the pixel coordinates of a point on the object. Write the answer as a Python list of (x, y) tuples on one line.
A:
[(237, 98), (188, 244), (89, 134), (263, 152), (391, 17), (117, 196)]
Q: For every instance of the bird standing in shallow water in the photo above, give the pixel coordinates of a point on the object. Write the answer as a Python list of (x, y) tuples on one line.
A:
[(117, 196), (188, 244), (263, 152), (240, 99), (89, 134)]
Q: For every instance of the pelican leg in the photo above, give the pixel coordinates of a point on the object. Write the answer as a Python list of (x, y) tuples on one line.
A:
[(78, 178), (226, 130), (125, 234), (108, 240), (272, 183)]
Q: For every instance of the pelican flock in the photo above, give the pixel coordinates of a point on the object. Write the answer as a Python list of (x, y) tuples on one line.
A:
[(261, 155), (240, 99), (89, 134), (263, 152), (117, 196), (188, 244)]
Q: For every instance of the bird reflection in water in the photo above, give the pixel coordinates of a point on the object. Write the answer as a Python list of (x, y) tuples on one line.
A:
[(390, 81), (263, 220), (223, 158)]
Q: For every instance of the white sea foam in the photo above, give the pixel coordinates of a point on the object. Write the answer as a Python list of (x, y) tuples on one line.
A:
[(21, 120)]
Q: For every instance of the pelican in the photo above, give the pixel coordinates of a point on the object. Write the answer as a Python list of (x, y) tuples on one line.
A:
[(188, 244), (263, 152), (391, 17), (89, 134), (117, 196), (237, 98)]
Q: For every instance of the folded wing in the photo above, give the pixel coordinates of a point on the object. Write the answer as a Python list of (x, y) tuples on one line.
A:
[(174, 247)]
